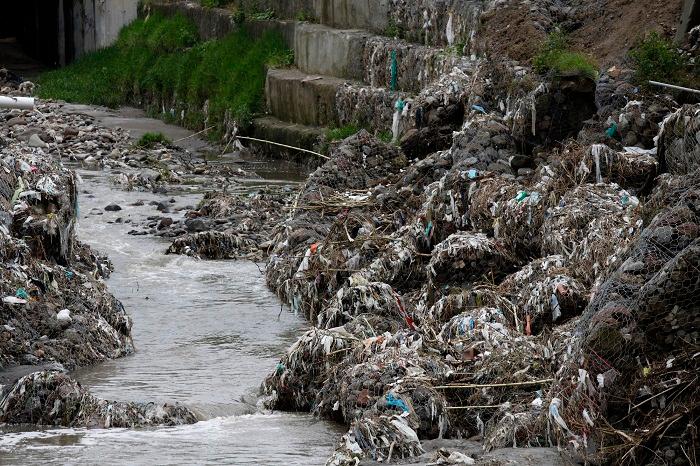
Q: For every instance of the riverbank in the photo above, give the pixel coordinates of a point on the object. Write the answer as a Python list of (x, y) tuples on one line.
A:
[(520, 299), (184, 343)]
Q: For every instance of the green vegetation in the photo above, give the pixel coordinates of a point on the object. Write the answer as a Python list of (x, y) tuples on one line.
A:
[(214, 3), (304, 15), (385, 136), (149, 140), (555, 58), (262, 15), (656, 59), (161, 64), (394, 30), (338, 134)]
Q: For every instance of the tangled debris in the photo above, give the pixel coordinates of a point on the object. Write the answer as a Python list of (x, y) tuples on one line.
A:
[(55, 306), (479, 291), (54, 399), (56, 311)]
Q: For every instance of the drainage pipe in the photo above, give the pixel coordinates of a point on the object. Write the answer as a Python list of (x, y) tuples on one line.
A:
[(21, 103)]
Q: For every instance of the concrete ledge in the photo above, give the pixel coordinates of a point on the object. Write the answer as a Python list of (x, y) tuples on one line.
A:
[(215, 23), (333, 52), (301, 98)]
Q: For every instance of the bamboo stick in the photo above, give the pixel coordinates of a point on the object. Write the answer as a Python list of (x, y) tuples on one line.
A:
[(488, 385), (284, 145)]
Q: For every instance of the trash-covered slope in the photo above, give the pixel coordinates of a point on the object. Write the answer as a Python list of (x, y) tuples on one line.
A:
[(55, 306), (460, 295)]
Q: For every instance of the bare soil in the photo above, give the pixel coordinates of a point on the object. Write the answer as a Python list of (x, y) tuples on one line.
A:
[(604, 29)]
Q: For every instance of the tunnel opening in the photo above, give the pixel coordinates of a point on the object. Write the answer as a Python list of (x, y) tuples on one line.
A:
[(36, 35), (31, 36)]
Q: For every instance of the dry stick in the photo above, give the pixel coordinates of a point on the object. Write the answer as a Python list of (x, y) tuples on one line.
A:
[(487, 385), (284, 145), (193, 135), (474, 407)]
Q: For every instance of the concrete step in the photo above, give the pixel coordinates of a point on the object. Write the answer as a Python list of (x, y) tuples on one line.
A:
[(271, 129), (361, 56), (319, 49), (296, 97), (420, 21)]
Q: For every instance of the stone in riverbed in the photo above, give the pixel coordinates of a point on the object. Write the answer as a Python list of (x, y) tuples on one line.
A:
[(113, 208), (35, 141)]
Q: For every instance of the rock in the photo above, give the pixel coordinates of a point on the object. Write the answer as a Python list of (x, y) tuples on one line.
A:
[(196, 225), (161, 206), (113, 208), (16, 121), (35, 141), (165, 222), (521, 161)]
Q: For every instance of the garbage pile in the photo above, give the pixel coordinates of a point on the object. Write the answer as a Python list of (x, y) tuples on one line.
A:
[(632, 381), (54, 399), (228, 225), (679, 143), (72, 136), (55, 306), (483, 291), (12, 84)]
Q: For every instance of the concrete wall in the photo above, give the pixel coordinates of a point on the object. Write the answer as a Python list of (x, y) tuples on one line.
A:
[(94, 24), (690, 17), (111, 16)]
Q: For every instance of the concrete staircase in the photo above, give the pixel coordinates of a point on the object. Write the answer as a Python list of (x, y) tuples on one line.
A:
[(343, 63), (326, 60)]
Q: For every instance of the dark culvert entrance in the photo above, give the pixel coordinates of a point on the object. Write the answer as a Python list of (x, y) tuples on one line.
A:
[(32, 36)]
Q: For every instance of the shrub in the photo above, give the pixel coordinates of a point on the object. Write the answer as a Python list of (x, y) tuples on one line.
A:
[(338, 134), (149, 140), (555, 58), (656, 59), (214, 3)]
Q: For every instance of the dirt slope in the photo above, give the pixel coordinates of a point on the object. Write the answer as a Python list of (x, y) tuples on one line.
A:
[(605, 29)]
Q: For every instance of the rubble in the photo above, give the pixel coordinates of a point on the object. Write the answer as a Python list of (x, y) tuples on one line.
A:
[(56, 311), (55, 306)]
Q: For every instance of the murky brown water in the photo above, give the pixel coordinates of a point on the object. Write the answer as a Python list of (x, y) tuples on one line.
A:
[(206, 333)]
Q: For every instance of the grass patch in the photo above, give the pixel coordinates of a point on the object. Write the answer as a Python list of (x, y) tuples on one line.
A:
[(149, 140), (214, 3), (162, 65), (338, 134), (304, 15), (385, 136), (657, 59), (555, 58)]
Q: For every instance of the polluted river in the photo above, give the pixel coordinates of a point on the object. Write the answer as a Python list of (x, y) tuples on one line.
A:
[(206, 334)]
